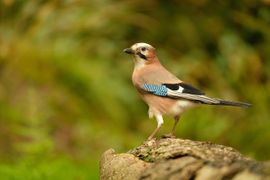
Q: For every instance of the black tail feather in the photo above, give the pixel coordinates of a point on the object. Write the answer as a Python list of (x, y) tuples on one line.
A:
[(233, 103)]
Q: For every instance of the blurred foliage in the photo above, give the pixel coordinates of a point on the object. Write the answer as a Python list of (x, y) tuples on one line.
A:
[(65, 89)]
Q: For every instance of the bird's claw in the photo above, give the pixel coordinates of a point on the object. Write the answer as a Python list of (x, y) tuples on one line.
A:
[(150, 142), (170, 135)]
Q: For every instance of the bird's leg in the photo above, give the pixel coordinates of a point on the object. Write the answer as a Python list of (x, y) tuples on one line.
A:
[(159, 124), (176, 119), (172, 133)]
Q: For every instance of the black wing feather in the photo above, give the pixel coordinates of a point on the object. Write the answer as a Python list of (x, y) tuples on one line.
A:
[(172, 86), (186, 88)]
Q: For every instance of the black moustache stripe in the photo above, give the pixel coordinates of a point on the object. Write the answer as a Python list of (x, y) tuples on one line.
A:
[(142, 56)]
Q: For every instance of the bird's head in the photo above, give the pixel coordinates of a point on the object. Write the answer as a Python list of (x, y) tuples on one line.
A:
[(143, 53)]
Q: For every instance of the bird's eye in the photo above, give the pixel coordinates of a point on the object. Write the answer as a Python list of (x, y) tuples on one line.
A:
[(143, 49)]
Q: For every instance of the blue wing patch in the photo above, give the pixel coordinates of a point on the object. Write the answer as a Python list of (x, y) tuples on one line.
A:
[(159, 90)]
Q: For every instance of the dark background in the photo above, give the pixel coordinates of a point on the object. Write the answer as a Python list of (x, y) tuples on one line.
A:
[(65, 85)]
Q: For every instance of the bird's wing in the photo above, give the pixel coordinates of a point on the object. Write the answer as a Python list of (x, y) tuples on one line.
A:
[(173, 90), (185, 91), (179, 90)]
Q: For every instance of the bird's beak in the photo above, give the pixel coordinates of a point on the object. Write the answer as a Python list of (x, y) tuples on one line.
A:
[(128, 51)]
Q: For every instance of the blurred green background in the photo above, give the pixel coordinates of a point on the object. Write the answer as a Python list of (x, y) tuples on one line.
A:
[(65, 85)]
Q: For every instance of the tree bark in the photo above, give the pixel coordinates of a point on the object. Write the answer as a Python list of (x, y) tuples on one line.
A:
[(172, 158)]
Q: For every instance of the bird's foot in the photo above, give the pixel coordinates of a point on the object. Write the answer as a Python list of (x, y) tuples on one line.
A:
[(150, 142), (170, 135)]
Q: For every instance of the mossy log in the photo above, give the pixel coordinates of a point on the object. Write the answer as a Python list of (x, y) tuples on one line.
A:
[(172, 158)]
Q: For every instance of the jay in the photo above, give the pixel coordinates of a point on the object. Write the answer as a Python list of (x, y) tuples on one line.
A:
[(164, 93)]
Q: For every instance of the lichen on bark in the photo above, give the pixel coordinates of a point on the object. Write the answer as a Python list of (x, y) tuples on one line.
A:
[(172, 158)]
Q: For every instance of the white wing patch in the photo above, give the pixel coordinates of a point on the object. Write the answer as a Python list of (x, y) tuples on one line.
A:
[(180, 90)]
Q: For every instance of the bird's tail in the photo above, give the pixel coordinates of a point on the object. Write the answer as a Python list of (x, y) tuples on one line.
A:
[(207, 100), (230, 103)]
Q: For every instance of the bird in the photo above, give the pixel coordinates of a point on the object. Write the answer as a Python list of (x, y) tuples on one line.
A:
[(162, 91)]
